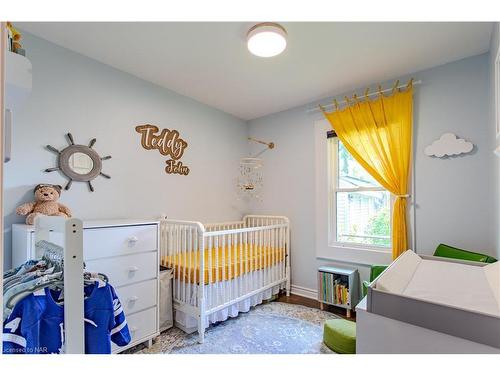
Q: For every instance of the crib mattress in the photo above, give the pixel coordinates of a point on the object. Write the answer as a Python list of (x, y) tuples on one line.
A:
[(226, 263)]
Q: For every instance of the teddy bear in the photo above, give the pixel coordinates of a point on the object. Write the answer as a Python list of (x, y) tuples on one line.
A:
[(45, 203)]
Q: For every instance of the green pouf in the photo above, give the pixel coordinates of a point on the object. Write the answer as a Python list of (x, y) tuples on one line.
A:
[(340, 336)]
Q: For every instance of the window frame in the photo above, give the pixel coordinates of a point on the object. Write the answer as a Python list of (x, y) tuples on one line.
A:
[(496, 84), (333, 189)]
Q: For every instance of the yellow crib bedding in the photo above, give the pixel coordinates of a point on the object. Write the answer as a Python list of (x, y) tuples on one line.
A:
[(228, 262)]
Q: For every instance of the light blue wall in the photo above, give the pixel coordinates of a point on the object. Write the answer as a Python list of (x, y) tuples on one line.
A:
[(453, 196), (72, 93), (90, 99)]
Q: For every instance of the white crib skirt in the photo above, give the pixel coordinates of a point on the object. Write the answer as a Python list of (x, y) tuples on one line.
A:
[(232, 289)]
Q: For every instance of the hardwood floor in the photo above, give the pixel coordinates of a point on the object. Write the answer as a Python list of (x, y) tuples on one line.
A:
[(308, 302)]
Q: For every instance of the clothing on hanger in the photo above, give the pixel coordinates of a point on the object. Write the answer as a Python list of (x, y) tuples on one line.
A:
[(33, 308), (36, 325)]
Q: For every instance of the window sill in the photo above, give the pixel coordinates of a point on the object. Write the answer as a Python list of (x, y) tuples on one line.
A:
[(355, 255)]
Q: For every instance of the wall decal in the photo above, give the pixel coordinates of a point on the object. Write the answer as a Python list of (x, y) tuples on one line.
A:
[(168, 143), (448, 145)]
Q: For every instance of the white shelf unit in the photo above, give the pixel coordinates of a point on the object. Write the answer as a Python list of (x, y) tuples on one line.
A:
[(18, 84), (328, 277), (18, 79)]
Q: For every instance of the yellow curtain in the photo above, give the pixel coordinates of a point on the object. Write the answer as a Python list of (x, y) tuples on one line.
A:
[(378, 134)]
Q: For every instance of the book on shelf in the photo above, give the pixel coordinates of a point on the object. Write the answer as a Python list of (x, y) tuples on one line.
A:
[(332, 290)]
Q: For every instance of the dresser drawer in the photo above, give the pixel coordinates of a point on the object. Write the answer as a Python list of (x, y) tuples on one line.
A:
[(138, 296), (127, 269), (140, 325), (113, 241)]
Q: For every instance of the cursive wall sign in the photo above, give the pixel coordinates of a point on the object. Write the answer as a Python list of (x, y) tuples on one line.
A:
[(168, 143)]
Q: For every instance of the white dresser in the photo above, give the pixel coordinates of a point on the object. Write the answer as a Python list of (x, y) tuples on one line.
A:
[(127, 251)]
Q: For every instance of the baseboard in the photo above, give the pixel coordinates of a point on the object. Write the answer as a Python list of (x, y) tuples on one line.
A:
[(304, 292)]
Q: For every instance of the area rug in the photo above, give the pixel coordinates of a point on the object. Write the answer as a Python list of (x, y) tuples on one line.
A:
[(270, 328)]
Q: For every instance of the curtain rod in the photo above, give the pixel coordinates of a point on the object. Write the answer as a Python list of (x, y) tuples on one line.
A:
[(327, 106)]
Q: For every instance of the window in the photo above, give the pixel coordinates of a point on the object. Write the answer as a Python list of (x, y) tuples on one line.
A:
[(360, 208)]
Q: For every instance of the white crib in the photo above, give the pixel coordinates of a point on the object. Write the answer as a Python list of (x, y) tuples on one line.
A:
[(221, 269)]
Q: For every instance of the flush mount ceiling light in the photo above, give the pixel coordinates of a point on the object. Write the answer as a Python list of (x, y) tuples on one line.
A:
[(266, 39)]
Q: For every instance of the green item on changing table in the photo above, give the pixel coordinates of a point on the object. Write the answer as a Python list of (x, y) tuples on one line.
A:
[(375, 270), (447, 251)]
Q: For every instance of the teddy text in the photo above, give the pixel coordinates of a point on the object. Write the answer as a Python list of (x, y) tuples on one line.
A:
[(168, 142)]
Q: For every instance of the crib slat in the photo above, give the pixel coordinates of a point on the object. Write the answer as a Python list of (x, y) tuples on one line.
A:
[(209, 286), (178, 259), (185, 263), (240, 278), (229, 248), (261, 280), (236, 260), (223, 292), (245, 239), (252, 260), (282, 247)]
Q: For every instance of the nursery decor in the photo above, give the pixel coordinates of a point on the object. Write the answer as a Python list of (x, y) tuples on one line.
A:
[(79, 162), (448, 145), (250, 179), (168, 143), (249, 182), (46, 196)]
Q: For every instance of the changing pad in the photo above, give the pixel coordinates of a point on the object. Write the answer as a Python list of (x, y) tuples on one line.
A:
[(453, 284), (459, 285)]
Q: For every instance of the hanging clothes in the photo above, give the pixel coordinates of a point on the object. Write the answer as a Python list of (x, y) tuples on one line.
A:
[(36, 324)]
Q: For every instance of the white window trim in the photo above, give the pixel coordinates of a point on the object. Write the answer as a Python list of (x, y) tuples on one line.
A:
[(497, 86), (324, 249), (333, 189)]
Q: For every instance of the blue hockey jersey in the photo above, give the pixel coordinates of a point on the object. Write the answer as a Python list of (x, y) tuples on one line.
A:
[(36, 325)]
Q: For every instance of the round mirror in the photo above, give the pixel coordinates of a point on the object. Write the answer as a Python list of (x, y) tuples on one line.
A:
[(78, 162), (81, 163)]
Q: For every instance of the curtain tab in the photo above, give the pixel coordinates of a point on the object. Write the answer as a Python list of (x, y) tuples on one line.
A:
[(367, 91), (410, 83), (395, 87)]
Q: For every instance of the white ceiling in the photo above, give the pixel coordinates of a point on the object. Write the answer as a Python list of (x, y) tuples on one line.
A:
[(210, 63)]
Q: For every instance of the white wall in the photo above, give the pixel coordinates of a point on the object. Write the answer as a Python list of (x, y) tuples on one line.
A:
[(72, 93), (453, 196)]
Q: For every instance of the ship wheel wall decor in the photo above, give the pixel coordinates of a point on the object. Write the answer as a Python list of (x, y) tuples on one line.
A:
[(79, 162)]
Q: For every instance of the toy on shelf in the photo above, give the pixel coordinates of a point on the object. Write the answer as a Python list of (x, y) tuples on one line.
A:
[(45, 203), (14, 40)]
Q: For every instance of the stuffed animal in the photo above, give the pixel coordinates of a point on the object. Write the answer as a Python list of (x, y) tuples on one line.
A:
[(45, 203), (15, 36)]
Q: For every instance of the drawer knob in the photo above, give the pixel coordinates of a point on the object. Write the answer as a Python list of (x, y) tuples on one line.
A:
[(132, 240), (133, 329), (133, 299), (133, 269)]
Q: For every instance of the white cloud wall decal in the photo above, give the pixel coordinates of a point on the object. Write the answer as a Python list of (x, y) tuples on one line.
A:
[(448, 145)]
